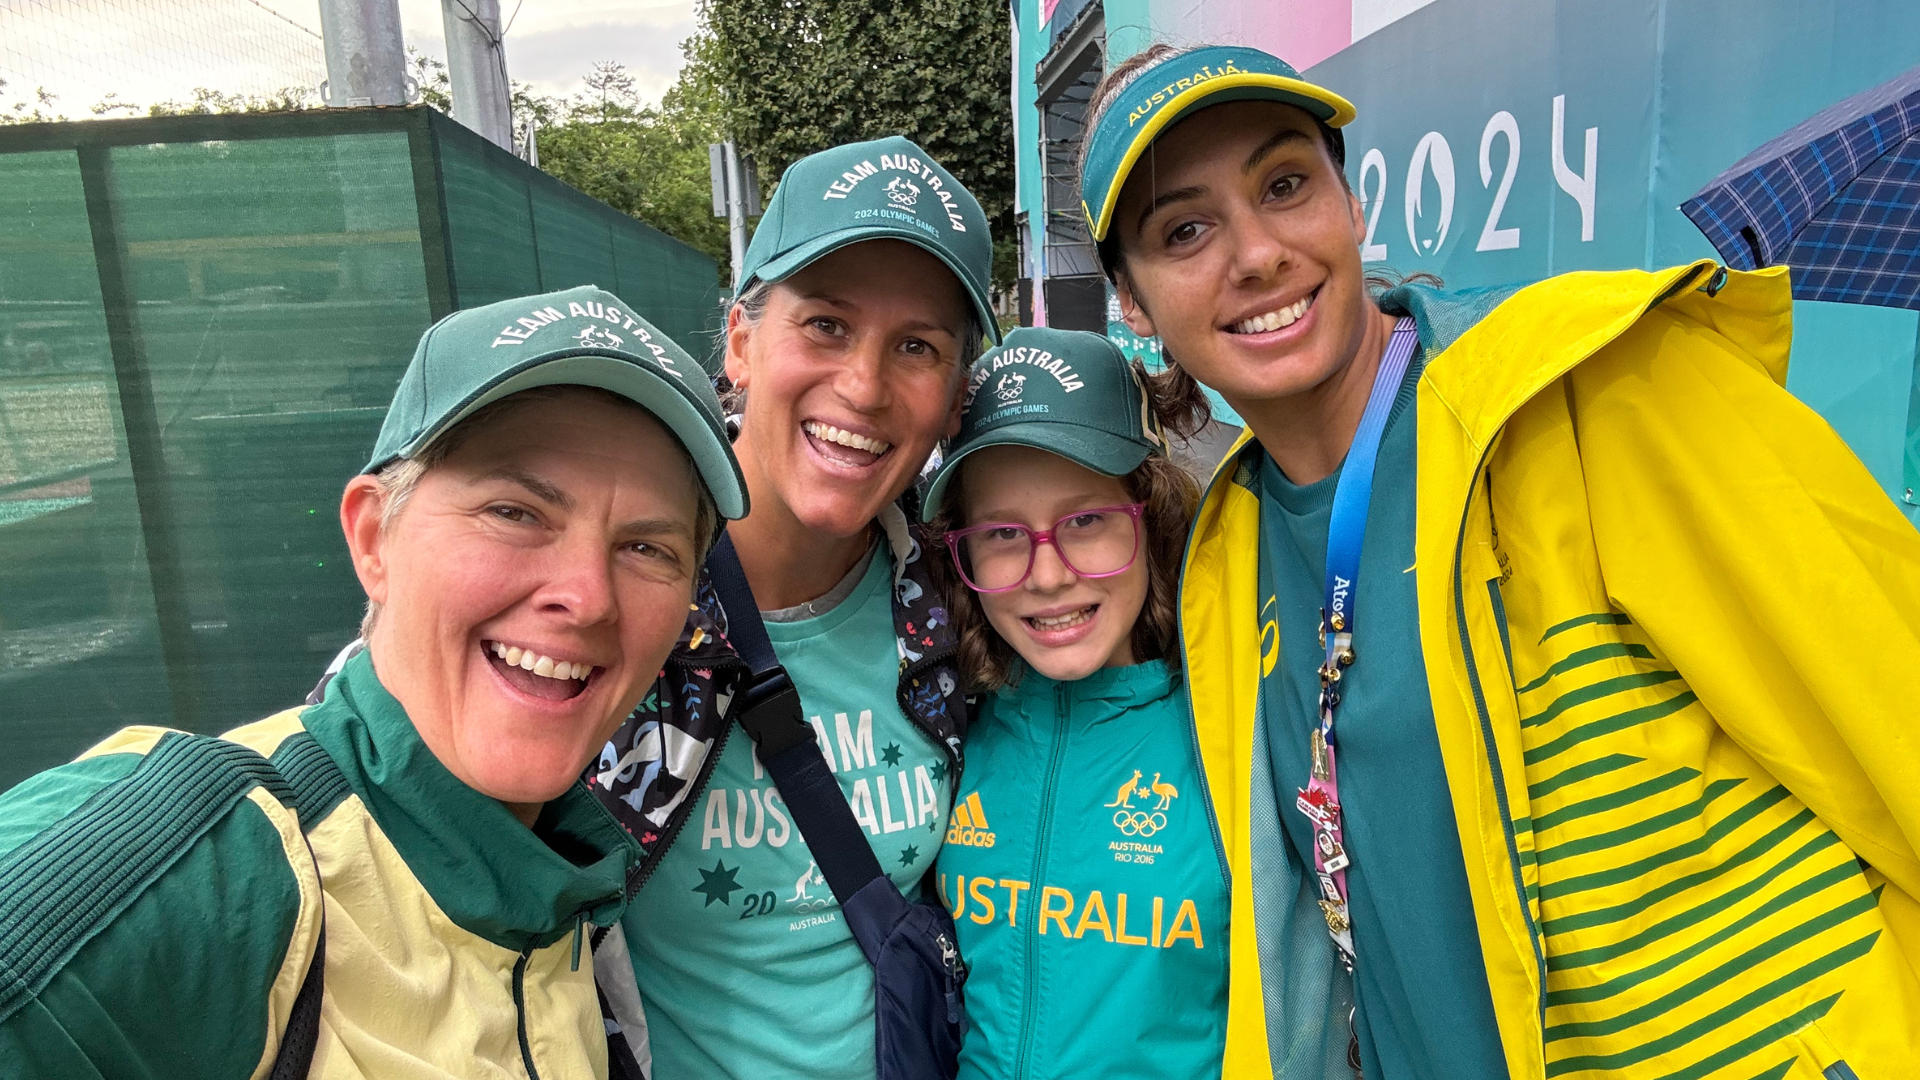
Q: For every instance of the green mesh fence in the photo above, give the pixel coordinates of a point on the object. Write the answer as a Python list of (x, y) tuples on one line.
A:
[(201, 320), (514, 231)]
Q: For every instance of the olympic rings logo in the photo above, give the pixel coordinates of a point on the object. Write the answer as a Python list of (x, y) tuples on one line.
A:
[(1139, 822)]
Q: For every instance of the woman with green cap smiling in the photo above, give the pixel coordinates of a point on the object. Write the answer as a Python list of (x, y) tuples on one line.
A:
[(863, 298), (1081, 865), (397, 879), (1508, 627)]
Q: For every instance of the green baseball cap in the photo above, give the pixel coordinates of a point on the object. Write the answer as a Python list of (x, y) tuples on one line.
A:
[(885, 189), (576, 337), (1067, 392), (1165, 92)]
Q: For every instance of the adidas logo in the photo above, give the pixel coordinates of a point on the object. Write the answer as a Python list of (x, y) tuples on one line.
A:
[(969, 826)]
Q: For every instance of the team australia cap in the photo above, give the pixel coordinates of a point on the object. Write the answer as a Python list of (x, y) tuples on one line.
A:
[(1170, 90), (1067, 392), (576, 337), (885, 189)]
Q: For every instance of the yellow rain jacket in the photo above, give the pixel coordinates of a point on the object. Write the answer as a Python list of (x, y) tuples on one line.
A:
[(1672, 635)]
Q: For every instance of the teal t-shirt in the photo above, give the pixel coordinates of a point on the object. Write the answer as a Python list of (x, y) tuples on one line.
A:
[(1423, 1009), (745, 966)]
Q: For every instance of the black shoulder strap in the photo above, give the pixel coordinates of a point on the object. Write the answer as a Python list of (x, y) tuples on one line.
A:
[(317, 787), (770, 713), (303, 1024)]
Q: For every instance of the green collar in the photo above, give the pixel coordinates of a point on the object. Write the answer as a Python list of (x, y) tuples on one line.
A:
[(494, 877)]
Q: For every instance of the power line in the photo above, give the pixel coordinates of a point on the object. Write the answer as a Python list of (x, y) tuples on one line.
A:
[(302, 27), (147, 51)]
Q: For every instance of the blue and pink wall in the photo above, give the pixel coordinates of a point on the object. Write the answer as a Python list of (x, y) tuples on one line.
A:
[(1543, 136)]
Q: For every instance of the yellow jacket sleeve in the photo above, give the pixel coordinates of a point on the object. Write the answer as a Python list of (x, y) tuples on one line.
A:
[(1737, 529)]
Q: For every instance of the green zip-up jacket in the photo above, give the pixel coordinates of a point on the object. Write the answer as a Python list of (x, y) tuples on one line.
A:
[(1087, 883), (163, 898)]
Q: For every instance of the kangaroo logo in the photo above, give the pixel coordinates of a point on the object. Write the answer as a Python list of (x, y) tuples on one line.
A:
[(597, 337), (1010, 387), (802, 897), (1142, 823), (903, 192)]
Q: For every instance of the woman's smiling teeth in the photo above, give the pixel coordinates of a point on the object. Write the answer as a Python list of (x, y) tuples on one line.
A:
[(829, 433), (1049, 623), (1274, 320), (544, 666)]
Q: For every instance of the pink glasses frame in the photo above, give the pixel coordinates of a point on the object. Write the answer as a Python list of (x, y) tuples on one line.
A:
[(1036, 537)]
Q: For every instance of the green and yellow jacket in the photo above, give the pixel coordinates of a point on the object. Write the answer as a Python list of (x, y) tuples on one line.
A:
[(163, 898), (1671, 628)]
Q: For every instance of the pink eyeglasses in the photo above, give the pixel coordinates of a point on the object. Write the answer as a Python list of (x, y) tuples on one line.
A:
[(1097, 543)]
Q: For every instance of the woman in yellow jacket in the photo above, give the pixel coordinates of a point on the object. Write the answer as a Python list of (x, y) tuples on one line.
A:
[(1539, 641)]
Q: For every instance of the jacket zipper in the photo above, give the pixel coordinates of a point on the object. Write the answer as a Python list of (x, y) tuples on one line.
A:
[(1486, 731), (520, 1010), (1061, 702), (1200, 769), (1186, 673)]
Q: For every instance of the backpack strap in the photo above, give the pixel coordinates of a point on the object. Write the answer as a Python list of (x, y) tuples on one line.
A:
[(317, 787), (770, 712), (302, 1032)]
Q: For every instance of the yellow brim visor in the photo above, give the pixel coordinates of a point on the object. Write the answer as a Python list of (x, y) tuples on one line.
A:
[(1166, 92)]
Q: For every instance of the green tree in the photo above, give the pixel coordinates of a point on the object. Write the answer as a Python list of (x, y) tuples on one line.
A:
[(646, 161), (37, 110), (790, 77), (205, 101), (430, 76)]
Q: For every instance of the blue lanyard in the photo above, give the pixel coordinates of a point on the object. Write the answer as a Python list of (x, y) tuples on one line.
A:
[(1352, 494)]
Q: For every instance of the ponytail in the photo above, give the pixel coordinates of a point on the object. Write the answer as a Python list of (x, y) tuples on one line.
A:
[(1179, 406)]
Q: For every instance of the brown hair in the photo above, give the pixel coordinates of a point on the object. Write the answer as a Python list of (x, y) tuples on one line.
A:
[(987, 662)]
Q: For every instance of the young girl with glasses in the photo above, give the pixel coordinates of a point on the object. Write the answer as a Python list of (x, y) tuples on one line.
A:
[(1081, 863)]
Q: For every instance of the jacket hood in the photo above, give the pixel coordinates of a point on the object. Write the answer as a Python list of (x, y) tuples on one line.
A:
[(1587, 310), (1568, 318)]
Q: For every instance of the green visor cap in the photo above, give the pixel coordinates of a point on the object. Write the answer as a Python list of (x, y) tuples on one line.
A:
[(1171, 89), (577, 337), (1067, 392), (887, 189)]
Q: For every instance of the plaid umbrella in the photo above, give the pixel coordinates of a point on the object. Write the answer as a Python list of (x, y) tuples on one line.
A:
[(1837, 198)]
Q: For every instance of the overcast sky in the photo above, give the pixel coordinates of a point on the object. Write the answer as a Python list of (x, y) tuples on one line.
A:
[(158, 50), (551, 43)]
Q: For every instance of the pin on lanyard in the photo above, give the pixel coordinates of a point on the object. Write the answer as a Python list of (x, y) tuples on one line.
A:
[(1320, 799)]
